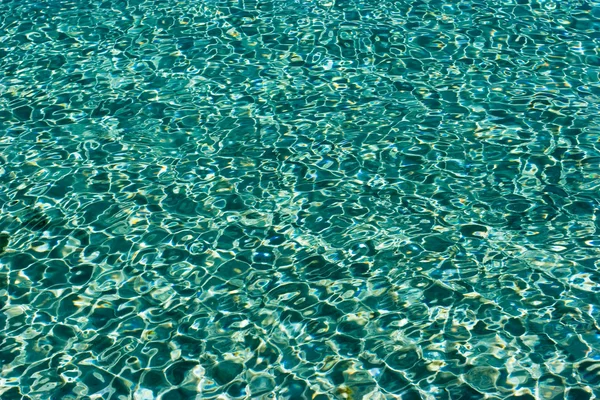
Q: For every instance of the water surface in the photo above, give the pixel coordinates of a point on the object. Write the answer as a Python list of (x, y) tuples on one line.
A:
[(299, 199)]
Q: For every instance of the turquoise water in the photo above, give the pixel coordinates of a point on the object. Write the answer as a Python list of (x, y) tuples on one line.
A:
[(313, 199)]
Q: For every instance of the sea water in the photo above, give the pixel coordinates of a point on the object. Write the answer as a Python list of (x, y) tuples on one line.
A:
[(299, 199)]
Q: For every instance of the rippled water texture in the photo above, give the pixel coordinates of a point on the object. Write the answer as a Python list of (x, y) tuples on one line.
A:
[(299, 199)]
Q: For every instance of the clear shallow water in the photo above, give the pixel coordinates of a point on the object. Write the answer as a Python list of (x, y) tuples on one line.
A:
[(287, 200)]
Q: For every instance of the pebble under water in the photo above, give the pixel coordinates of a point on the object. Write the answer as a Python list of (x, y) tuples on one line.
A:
[(299, 199)]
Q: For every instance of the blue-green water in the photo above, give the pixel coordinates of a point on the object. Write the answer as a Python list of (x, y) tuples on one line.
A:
[(311, 199)]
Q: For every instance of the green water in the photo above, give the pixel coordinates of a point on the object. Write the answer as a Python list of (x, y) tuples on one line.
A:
[(311, 199)]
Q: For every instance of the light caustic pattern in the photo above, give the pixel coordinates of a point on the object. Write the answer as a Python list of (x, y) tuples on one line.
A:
[(299, 199)]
